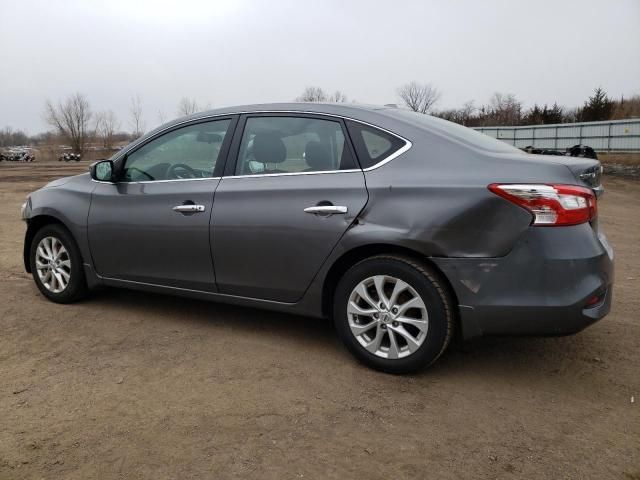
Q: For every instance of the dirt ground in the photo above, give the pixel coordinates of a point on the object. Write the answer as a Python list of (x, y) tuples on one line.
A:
[(626, 158), (134, 385)]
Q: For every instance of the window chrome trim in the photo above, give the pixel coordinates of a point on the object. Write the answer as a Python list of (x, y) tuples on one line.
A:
[(290, 174), (158, 181), (395, 154), (102, 181), (408, 144), (253, 175)]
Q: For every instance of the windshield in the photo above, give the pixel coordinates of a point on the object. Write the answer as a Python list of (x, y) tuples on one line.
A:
[(454, 130)]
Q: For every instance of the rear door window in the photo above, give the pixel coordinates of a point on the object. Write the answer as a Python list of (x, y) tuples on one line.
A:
[(288, 144)]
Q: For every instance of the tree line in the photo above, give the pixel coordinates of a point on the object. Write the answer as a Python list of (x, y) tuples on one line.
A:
[(75, 123), (502, 109), (507, 110)]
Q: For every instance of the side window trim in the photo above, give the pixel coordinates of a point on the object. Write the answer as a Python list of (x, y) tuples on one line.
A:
[(397, 153), (394, 154), (227, 162), (223, 155), (234, 150)]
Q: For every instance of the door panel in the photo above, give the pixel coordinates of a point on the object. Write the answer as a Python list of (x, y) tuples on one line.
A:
[(135, 233), (153, 225), (265, 245)]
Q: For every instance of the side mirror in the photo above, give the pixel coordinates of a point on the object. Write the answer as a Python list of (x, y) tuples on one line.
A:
[(102, 171)]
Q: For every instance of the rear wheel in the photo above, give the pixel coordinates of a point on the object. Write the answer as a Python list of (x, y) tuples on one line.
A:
[(56, 265), (393, 313)]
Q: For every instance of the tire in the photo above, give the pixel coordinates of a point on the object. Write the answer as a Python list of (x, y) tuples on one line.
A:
[(70, 262), (406, 315)]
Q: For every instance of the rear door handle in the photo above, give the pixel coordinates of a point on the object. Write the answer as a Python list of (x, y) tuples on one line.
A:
[(326, 209), (188, 208)]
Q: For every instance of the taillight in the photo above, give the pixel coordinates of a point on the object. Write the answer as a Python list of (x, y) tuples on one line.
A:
[(551, 205)]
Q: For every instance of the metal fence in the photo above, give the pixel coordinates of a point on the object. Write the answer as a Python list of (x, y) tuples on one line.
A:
[(608, 136)]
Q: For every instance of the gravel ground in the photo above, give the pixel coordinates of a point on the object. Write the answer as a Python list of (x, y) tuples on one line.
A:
[(134, 385)]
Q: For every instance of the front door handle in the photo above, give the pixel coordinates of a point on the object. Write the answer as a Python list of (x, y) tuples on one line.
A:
[(188, 208), (326, 209)]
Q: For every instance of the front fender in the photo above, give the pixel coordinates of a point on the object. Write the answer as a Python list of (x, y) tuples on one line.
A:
[(34, 223), (68, 205)]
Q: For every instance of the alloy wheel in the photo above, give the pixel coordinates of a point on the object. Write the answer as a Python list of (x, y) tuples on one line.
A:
[(387, 316), (53, 264)]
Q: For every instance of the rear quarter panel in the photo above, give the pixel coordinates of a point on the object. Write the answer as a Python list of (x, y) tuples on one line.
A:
[(434, 199)]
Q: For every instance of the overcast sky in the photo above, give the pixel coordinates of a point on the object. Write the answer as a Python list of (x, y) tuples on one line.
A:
[(228, 52)]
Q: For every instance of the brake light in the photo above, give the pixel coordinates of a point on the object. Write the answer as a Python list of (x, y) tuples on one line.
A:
[(551, 205), (594, 301)]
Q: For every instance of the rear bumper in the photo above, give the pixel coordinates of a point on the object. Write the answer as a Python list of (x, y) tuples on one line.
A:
[(541, 287)]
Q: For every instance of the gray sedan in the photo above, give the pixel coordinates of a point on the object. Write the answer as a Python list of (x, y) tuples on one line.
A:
[(406, 229)]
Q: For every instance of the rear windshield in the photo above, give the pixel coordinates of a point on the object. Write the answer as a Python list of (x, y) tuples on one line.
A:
[(454, 130)]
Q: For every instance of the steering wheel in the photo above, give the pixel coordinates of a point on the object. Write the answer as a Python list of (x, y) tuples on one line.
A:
[(142, 172), (180, 171)]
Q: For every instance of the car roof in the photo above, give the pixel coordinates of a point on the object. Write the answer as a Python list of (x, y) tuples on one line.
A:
[(351, 110)]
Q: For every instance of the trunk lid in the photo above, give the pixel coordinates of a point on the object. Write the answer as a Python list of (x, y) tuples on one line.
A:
[(587, 171)]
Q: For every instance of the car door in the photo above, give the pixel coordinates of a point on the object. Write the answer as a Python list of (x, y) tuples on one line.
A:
[(284, 203), (152, 225)]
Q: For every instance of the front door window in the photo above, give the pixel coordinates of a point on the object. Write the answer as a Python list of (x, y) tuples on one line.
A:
[(184, 153)]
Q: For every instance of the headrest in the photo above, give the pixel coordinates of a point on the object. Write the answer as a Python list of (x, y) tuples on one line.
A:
[(317, 156), (269, 148)]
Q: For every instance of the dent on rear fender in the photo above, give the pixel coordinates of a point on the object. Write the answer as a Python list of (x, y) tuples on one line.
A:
[(547, 266), (441, 222)]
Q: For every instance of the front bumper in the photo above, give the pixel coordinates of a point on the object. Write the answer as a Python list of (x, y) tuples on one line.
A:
[(542, 287), (25, 209)]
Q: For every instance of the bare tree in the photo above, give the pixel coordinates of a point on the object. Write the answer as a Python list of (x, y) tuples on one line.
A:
[(626, 108), (106, 126), (187, 106), (317, 94), (137, 122), (312, 94), (10, 137), (337, 97), (162, 117), (468, 109), (70, 119), (505, 109), (419, 97)]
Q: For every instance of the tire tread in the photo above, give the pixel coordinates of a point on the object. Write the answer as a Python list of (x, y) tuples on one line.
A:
[(436, 281), (80, 289)]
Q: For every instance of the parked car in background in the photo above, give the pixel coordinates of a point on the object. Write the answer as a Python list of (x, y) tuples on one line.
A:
[(69, 156), (582, 151), (574, 151), (541, 151), (404, 228), (18, 155)]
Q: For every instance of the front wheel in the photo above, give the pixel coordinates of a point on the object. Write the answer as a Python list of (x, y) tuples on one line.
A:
[(56, 265), (393, 313)]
